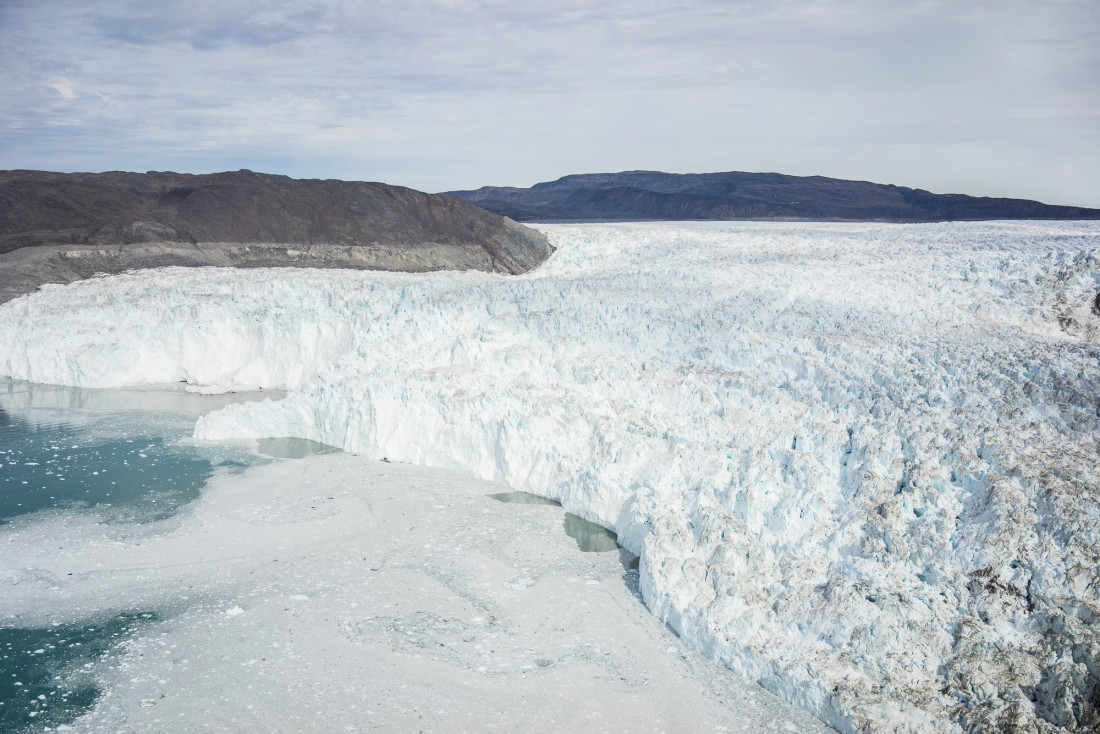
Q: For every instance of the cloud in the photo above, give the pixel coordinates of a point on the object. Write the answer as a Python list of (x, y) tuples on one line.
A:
[(206, 24), (63, 87), (1001, 97)]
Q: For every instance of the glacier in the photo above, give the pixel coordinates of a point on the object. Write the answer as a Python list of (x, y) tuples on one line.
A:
[(860, 463)]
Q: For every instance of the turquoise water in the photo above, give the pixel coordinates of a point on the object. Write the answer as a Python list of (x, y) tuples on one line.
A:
[(293, 448), (125, 454), (590, 537), (127, 457), (524, 498), (131, 466), (44, 680)]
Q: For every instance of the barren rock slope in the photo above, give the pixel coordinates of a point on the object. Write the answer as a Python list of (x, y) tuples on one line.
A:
[(57, 227)]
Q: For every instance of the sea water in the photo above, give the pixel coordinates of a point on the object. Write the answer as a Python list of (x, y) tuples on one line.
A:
[(44, 676), (129, 466), (123, 456)]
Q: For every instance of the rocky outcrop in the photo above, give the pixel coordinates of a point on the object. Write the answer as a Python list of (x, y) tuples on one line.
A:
[(652, 195), (57, 227)]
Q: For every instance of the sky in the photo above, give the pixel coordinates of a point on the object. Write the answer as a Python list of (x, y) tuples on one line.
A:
[(983, 97)]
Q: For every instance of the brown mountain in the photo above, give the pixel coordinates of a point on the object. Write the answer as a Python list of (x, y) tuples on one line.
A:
[(58, 227)]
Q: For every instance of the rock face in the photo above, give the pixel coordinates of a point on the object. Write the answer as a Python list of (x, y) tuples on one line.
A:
[(57, 227), (652, 195)]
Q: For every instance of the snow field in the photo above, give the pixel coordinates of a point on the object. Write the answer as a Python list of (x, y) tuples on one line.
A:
[(859, 462)]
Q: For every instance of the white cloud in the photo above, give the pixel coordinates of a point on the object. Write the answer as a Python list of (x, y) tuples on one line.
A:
[(63, 87)]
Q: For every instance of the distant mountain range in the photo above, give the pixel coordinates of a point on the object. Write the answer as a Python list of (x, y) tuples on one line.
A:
[(653, 195)]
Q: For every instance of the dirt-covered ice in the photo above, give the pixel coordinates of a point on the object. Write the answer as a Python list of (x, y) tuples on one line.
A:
[(859, 462), (336, 593)]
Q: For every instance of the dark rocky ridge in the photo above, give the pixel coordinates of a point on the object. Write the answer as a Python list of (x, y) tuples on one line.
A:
[(652, 195), (57, 227)]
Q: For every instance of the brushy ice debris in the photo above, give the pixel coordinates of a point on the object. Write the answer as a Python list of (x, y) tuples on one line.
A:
[(860, 462)]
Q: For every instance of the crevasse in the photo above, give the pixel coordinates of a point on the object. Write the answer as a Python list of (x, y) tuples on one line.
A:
[(859, 462)]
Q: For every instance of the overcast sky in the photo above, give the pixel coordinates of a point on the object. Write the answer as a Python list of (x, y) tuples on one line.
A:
[(998, 97)]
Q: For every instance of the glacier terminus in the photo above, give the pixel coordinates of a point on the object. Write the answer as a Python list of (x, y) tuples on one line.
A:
[(860, 463)]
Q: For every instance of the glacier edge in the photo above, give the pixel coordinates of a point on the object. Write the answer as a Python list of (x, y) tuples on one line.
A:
[(858, 461)]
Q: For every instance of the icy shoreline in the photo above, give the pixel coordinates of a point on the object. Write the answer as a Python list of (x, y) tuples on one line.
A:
[(858, 461), (335, 593)]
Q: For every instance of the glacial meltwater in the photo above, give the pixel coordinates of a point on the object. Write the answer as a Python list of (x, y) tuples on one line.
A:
[(121, 456), (44, 677), (292, 448), (590, 537)]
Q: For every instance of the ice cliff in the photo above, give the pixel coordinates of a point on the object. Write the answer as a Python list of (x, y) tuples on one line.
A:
[(859, 462)]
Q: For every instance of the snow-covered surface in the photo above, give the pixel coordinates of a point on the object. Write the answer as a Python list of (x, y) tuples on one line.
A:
[(860, 462)]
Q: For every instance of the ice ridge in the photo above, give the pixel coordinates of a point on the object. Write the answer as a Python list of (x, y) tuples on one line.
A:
[(859, 462)]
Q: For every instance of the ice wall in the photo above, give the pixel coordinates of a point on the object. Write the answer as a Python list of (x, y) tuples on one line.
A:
[(860, 462)]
